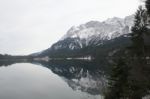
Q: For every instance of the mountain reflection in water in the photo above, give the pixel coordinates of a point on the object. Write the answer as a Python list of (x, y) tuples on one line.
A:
[(81, 76)]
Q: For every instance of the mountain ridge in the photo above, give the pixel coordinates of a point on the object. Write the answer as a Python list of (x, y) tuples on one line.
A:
[(90, 35)]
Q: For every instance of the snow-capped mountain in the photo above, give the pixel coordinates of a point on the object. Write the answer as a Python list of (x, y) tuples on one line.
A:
[(91, 34), (94, 32), (108, 29)]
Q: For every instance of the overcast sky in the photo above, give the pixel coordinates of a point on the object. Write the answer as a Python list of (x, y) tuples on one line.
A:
[(28, 26)]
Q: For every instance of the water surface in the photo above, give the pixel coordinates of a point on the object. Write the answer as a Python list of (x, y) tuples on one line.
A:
[(51, 80)]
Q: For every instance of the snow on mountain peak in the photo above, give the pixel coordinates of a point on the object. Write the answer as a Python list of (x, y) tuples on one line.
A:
[(109, 29), (93, 33), (115, 21)]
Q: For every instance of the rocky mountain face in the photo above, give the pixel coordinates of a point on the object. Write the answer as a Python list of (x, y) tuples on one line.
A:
[(94, 32), (108, 29), (91, 34)]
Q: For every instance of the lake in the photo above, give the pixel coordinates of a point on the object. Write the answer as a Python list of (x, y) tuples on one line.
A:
[(52, 80)]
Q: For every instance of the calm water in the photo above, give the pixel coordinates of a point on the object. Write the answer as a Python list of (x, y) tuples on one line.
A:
[(51, 80)]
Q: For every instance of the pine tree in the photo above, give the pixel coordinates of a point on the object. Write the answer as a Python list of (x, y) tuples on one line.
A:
[(133, 83), (118, 81), (147, 4), (138, 78), (138, 31)]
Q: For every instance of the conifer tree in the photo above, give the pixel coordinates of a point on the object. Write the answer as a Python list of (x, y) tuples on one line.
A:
[(147, 4), (118, 81), (133, 83), (138, 31), (138, 78)]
